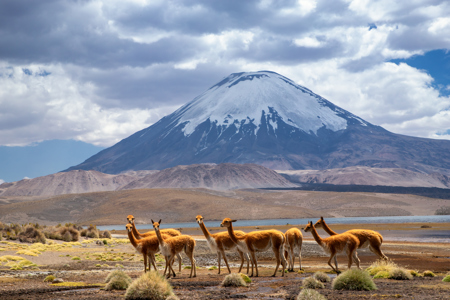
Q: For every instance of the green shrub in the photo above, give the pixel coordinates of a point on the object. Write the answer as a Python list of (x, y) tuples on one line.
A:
[(354, 279), (382, 274), (446, 278), (119, 281), (414, 273), (118, 273), (49, 278), (233, 279), (309, 294), (150, 285), (246, 278), (312, 283), (321, 276), (381, 265), (400, 274), (428, 273)]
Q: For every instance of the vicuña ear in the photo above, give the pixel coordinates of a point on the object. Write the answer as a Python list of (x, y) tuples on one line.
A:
[(233, 220), (152, 221), (159, 221), (321, 218)]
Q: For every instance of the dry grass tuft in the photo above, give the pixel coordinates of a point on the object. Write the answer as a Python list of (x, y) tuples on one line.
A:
[(312, 283), (310, 294), (233, 279), (355, 280), (150, 285)]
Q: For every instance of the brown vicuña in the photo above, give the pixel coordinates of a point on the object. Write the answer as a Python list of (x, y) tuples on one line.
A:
[(138, 235), (168, 232), (174, 245), (336, 244), (366, 237), (148, 247), (294, 240), (221, 241), (258, 241)]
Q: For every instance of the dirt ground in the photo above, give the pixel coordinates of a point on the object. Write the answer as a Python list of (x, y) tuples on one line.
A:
[(95, 261)]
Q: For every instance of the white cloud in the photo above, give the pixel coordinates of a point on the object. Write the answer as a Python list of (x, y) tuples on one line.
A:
[(1, 181)]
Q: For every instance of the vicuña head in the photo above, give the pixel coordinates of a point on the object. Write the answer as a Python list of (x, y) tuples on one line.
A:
[(130, 219), (226, 222), (199, 219), (319, 223), (156, 225), (308, 227), (129, 227)]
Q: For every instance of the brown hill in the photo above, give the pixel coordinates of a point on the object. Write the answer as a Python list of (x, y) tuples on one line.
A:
[(182, 205), (369, 176), (73, 182), (211, 176)]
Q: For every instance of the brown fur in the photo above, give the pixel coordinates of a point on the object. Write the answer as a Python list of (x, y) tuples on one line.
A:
[(138, 235), (148, 247), (336, 244), (168, 232), (366, 237), (174, 245), (258, 241), (294, 240), (221, 241)]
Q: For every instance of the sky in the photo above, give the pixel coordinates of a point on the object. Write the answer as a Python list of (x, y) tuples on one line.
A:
[(98, 71)]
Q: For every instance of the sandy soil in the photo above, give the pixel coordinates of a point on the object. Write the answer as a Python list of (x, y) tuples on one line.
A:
[(91, 273)]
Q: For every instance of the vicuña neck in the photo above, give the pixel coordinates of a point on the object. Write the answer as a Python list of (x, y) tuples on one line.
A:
[(133, 240), (135, 231), (233, 237), (328, 229), (205, 230), (316, 236), (160, 240)]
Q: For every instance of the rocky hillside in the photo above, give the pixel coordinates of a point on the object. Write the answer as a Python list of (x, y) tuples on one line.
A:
[(211, 176), (73, 182), (369, 176)]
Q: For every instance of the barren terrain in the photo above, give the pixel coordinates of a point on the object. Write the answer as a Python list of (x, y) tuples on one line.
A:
[(83, 278), (182, 205)]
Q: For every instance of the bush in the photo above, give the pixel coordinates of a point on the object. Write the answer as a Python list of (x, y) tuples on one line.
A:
[(233, 279), (321, 276), (117, 280), (443, 211), (32, 235), (150, 285), (246, 278), (106, 234), (400, 274), (355, 280), (414, 273), (382, 274), (381, 265), (312, 283), (49, 278), (309, 294), (428, 273), (446, 278)]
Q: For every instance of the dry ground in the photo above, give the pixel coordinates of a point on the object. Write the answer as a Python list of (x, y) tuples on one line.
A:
[(90, 273)]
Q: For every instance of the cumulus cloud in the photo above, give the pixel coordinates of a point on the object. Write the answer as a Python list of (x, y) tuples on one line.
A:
[(98, 71)]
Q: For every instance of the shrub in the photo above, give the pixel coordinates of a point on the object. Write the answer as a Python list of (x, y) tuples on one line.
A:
[(117, 280), (382, 274), (445, 210), (106, 234), (381, 265), (246, 278), (49, 278), (312, 283), (233, 279), (309, 294), (150, 285), (428, 273), (399, 274), (414, 273), (354, 279), (32, 235), (446, 278), (321, 276)]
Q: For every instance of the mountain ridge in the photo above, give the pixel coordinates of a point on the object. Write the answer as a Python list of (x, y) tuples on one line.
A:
[(266, 119)]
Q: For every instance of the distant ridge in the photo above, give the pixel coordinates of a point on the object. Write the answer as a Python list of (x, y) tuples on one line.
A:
[(209, 176)]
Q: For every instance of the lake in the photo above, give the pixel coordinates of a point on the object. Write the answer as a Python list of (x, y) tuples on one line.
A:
[(302, 222)]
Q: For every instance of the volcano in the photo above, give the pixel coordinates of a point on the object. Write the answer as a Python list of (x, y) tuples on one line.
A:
[(267, 119)]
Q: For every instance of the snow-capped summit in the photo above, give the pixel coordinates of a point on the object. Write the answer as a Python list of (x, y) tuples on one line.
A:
[(245, 98), (267, 119)]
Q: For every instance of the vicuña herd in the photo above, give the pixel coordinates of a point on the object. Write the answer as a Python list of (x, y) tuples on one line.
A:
[(170, 243)]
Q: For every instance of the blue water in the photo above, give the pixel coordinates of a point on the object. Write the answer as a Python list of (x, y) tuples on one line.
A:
[(301, 222)]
